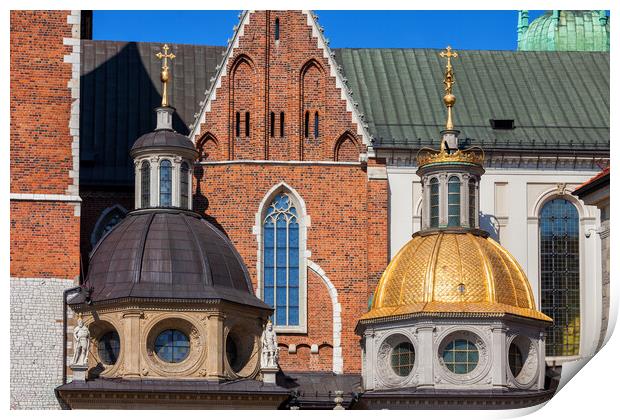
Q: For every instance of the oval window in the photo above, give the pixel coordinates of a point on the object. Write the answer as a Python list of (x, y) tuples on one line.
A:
[(515, 359), (172, 346), (109, 347), (403, 357)]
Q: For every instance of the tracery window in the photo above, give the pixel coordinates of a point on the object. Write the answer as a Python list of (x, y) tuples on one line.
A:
[(281, 259), (145, 184), (434, 202), (184, 185), (165, 183), (559, 276), (472, 203), (454, 201)]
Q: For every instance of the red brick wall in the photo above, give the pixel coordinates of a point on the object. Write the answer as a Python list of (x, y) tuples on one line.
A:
[(44, 234), (342, 238), (45, 238), (290, 76), (40, 102)]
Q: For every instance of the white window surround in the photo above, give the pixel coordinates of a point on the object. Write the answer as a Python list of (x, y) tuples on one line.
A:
[(590, 293), (155, 161), (304, 254)]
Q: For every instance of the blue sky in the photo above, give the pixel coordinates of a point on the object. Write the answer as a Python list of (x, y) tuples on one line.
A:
[(470, 29)]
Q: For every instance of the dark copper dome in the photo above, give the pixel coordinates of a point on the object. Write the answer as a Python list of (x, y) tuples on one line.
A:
[(162, 138), (167, 254)]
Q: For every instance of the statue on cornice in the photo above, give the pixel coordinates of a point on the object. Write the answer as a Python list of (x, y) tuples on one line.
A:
[(81, 340), (269, 347)]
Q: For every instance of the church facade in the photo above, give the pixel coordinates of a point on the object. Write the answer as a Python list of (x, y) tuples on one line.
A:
[(306, 163)]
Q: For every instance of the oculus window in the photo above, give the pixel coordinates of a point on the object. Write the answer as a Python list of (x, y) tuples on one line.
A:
[(402, 359), (109, 347), (559, 276), (172, 346), (460, 356), (281, 259)]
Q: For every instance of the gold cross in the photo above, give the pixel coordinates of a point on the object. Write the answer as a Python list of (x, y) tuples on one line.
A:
[(448, 80), (449, 54), (165, 75)]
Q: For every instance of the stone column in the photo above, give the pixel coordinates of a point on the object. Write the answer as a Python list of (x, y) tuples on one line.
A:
[(425, 356), (498, 356), (217, 350), (370, 358), (154, 193), (465, 200), (132, 344)]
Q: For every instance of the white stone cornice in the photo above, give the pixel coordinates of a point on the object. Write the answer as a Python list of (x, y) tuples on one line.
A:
[(45, 197)]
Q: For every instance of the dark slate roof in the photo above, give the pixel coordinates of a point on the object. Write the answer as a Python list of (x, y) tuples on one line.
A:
[(558, 100), (119, 90), (167, 254), (161, 138)]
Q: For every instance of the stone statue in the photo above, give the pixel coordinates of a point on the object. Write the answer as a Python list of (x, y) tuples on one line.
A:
[(269, 345), (81, 340)]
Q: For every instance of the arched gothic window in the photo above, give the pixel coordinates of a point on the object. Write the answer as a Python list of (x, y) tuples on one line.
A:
[(559, 276), (434, 202), (145, 184), (184, 185), (316, 124), (276, 31), (472, 203), (454, 201), (165, 183), (281, 260)]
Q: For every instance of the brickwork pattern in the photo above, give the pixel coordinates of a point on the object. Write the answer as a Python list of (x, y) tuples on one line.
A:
[(41, 144), (337, 200), (45, 239), (36, 341)]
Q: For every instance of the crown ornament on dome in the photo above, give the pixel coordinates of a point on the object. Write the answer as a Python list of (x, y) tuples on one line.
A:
[(449, 151)]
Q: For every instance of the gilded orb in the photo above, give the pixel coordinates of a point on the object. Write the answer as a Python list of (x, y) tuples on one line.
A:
[(449, 99)]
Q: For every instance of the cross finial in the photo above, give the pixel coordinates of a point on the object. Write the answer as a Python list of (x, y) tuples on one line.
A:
[(165, 75), (449, 99)]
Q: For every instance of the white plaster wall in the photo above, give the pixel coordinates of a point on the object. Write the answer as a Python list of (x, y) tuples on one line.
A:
[(508, 198)]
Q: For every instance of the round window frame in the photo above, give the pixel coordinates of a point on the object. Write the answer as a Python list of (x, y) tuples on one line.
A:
[(247, 341), (385, 374), (484, 360), (392, 354), (173, 331), (528, 375), (98, 345)]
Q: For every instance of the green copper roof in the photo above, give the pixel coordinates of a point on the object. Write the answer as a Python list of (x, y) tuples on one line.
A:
[(565, 30), (558, 100)]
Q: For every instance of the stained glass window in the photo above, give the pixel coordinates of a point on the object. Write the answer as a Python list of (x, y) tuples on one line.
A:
[(472, 203), (515, 359), (172, 346), (109, 347), (165, 183), (559, 276), (434, 204), (403, 357), (454, 201), (281, 260), (460, 356), (145, 177), (184, 185)]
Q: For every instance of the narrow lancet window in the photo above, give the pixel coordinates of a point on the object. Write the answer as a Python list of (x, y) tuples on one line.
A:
[(306, 124), (145, 184), (184, 185), (247, 124), (237, 125), (272, 124), (316, 125), (434, 203), (454, 201), (165, 183), (281, 124), (277, 30)]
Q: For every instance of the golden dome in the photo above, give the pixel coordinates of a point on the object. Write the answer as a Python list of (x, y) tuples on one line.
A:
[(450, 272)]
